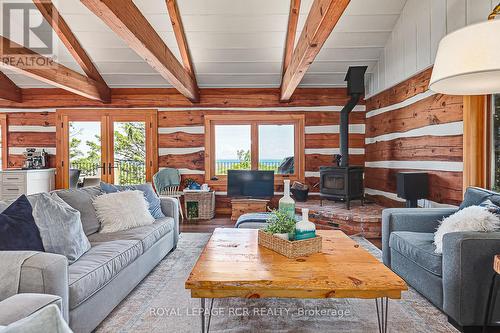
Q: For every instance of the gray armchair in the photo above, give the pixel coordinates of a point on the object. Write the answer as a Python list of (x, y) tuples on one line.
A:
[(21, 306), (457, 281)]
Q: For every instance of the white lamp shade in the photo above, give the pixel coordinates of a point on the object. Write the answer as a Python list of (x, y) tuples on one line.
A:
[(468, 61)]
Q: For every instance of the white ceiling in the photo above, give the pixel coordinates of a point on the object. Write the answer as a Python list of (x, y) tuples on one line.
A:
[(233, 43)]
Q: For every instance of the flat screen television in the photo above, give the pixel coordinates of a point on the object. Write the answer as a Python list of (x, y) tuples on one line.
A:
[(250, 184)]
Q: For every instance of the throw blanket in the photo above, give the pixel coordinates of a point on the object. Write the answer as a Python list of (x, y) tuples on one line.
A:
[(165, 178), (10, 271)]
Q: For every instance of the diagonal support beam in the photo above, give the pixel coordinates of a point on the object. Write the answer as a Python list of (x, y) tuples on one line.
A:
[(180, 36), (293, 19), (9, 90), (125, 19), (321, 20), (61, 28), (32, 64)]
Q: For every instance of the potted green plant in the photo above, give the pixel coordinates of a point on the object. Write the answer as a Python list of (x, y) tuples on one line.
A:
[(281, 225)]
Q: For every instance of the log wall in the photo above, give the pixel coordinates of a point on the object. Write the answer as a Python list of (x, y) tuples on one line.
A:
[(409, 128), (181, 124)]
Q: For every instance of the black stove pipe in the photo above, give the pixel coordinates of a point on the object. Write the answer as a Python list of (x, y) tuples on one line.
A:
[(344, 129), (356, 89)]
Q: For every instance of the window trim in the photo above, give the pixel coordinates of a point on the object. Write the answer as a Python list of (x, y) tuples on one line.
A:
[(298, 120)]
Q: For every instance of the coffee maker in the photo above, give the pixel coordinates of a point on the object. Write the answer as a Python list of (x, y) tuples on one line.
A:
[(35, 159)]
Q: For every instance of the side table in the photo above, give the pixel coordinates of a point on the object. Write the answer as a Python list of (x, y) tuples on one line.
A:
[(492, 297)]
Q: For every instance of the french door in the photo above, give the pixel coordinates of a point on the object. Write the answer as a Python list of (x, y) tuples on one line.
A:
[(115, 146)]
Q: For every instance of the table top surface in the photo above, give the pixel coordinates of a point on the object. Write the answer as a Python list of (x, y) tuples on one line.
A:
[(232, 264)]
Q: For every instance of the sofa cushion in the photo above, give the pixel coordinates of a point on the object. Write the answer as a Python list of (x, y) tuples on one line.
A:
[(98, 266), (148, 234), (474, 196), (419, 248), (81, 200)]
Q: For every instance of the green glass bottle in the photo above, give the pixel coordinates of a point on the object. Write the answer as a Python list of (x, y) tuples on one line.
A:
[(305, 229), (286, 203)]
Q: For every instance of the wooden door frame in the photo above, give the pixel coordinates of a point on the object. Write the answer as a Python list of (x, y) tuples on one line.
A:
[(475, 141), (150, 116)]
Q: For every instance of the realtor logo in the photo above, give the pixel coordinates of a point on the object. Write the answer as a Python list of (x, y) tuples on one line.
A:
[(23, 24)]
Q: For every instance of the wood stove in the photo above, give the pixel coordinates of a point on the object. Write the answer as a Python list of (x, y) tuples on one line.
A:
[(344, 182)]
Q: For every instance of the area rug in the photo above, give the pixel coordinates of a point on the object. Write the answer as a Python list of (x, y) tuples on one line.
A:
[(162, 304)]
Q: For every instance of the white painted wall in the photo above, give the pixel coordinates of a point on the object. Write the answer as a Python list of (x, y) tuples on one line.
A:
[(413, 43)]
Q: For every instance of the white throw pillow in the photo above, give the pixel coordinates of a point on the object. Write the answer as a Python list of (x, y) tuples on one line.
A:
[(473, 218), (122, 210)]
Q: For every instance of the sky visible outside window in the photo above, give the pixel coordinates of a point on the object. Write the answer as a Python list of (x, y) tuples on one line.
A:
[(275, 141), (85, 131)]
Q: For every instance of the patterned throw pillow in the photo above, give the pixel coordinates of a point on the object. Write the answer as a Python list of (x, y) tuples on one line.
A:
[(18, 231)]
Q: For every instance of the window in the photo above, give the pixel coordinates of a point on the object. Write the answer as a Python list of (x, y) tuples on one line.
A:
[(254, 142), (495, 139)]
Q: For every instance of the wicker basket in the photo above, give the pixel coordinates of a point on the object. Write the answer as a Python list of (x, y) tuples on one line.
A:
[(290, 249), (199, 205)]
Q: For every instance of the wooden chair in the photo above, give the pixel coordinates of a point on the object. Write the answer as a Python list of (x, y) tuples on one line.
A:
[(171, 192)]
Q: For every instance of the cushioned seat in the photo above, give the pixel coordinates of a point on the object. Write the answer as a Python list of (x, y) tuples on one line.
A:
[(148, 234), (419, 248), (99, 266)]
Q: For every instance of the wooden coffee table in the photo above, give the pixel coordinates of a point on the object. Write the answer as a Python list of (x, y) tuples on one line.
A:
[(234, 265)]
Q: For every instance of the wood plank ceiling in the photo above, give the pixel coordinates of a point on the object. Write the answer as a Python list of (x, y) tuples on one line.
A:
[(232, 43)]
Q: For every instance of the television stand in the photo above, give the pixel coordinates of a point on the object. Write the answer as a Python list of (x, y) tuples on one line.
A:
[(243, 206)]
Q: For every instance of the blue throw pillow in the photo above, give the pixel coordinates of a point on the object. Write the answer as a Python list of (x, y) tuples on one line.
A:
[(18, 231), (150, 195), (490, 206)]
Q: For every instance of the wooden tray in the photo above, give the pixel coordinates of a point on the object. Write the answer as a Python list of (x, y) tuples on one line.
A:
[(290, 249)]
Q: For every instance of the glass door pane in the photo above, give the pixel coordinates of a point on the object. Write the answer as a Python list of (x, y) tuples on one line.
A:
[(129, 152), (85, 153)]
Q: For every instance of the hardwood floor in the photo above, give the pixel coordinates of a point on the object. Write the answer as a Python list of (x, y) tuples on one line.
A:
[(225, 222)]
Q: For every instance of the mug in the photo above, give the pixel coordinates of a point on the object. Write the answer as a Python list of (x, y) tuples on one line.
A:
[(204, 187)]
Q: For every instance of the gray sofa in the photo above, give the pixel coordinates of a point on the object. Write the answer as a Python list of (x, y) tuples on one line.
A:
[(96, 283), (457, 281)]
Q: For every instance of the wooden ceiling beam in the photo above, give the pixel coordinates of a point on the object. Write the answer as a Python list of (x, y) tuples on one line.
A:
[(9, 90), (61, 28), (321, 20), (293, 19), (32, 64), (180, 36), (125, 19)]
